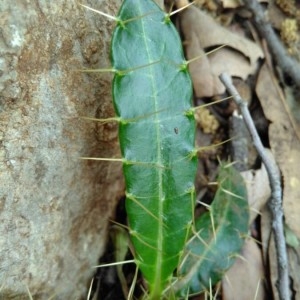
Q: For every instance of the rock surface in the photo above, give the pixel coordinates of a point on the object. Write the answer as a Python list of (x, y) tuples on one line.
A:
[(54, 207)]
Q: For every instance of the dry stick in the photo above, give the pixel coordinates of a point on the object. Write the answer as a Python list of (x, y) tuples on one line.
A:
[(276, 196), (288, 65)]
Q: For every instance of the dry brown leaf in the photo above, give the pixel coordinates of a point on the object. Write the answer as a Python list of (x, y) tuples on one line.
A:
[(258, 190), (231, 3), (201, 30), (276, 16), (200, 67), (285, 145), (235, 3), (228, 60), (244, 280)]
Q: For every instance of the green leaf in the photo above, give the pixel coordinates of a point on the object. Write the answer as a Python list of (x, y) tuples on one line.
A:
[(152, 92), (219, 237)]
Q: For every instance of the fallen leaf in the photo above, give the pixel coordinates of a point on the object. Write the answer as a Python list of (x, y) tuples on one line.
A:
[(202, 31), (258, 190), (285, 144), (245, 279), (235, 3), (203, 85), (231, 3), (276, 16), (228, 60)]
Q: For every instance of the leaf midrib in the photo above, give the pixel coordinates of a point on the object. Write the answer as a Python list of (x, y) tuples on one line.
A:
[(158, 263)]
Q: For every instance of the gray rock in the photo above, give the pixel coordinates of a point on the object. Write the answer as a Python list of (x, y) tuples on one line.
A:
[(54, 207)]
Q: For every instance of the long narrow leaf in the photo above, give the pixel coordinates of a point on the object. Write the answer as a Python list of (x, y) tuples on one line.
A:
[(152, 92)]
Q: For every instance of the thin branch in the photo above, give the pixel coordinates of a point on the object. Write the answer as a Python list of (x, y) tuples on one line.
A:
[(289, 66), (276, 196)]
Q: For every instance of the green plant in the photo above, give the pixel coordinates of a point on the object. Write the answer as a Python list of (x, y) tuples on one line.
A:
[(159, 164), (152, 94), (219, 236)]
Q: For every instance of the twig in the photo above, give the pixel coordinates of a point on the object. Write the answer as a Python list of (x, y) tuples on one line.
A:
[(276, 196), (289, 66)]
